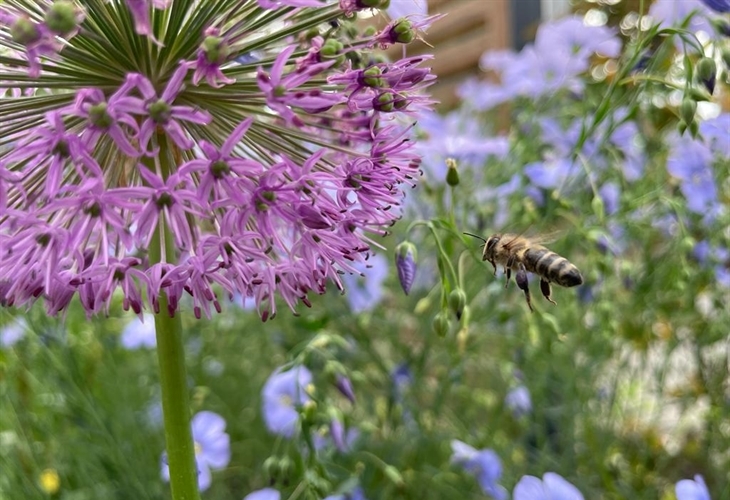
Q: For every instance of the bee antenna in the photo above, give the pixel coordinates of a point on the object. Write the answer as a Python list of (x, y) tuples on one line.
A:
[(475, 236)]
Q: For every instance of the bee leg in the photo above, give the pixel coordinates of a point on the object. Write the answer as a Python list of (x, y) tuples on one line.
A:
[(494, 266), (508, 270), (545, 289), (521, 280)]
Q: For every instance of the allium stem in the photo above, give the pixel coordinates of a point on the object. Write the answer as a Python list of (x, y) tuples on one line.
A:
[(171, 358), (175, 406)]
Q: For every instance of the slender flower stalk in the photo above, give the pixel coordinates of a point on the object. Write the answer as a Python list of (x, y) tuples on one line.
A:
[(160, 152)]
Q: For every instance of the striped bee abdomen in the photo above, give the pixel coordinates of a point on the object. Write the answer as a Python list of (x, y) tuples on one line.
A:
[(552, 267)]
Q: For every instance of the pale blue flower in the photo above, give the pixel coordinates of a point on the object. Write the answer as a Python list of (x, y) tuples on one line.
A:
[(12, 332), (212, 447), (138, 334), (518, 401), (552, 486), (692, 489), (484, 464), (265, 494), (282, 394), (610, 193), (365, 292), (403, 8)]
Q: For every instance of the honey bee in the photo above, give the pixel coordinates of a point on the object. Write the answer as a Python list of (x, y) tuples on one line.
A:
[(515, 252)]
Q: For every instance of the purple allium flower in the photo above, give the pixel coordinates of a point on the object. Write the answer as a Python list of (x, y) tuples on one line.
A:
[(692, 489), (552, 487), (168, 168), (356, 494), (518, 401), (484, 464), (264, 494), (12, 332), (139, 332), (283, 394), (212, 447), (365, 290)]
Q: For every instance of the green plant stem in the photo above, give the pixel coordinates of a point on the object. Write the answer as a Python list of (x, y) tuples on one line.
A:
[(171, 358), (175, 406)]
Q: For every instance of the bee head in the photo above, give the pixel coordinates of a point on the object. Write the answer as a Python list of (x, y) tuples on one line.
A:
[(489, 247)]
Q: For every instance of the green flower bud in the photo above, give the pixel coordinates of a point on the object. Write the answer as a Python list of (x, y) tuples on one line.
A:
[(441, 324), (394, 475), (707, 72), (457, 301), (371, 77), (452, 174), (331, 49), (215, 48), (24, 31), (598, 207), (687, 110), (403, 32), (61, 17)]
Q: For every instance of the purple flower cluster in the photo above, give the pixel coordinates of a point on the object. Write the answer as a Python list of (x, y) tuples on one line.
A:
[(182, 173), (560, 55)]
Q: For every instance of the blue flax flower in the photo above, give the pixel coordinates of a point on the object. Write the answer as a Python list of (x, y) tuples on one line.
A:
[(265, 494), (484, 464), (552, 487), (718, 5), (139, 333), (282, 394), (212, 447), (12, 332), (691, 163), (366, 291), (692, 489), (518, 401)]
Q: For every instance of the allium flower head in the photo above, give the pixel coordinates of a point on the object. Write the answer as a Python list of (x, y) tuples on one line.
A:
[(195, 148), (212, 447)]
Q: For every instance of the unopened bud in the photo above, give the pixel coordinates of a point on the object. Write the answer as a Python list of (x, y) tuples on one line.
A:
[(402, 32), (452, 174), (394, 475), (61, 17), (216, 49), (441, 324), (405, 264), (344, 385), (707, 72), (24, 31), (687, 110), (457, 301)]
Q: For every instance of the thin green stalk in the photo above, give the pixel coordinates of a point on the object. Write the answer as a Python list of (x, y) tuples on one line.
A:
[(171, 358)]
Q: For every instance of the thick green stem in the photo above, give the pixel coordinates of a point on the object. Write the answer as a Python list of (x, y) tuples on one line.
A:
[(171, 357), (175, 406)]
